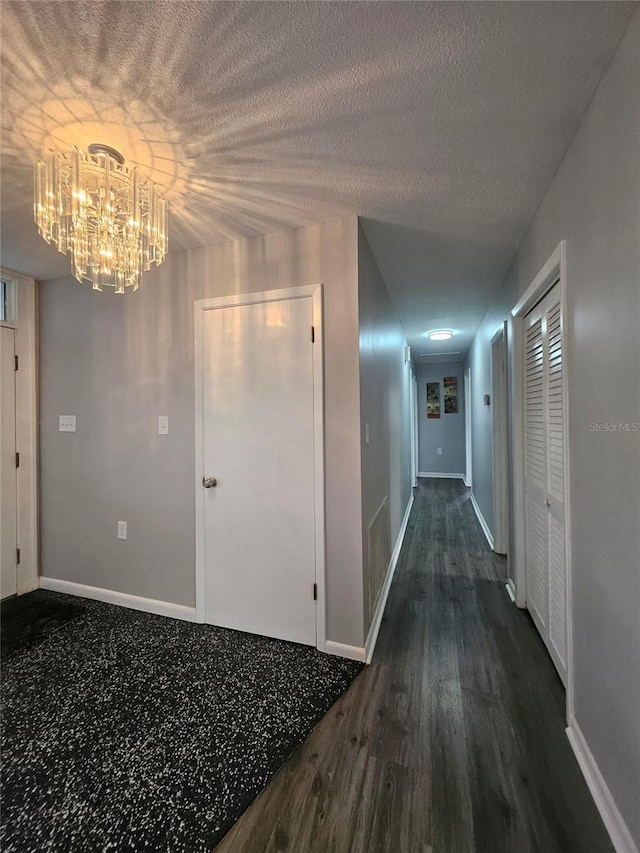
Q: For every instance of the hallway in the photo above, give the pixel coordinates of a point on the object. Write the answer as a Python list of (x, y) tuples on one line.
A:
[(452, 740)]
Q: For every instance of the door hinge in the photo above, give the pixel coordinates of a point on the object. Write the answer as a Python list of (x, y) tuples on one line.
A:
[(313, 335), (315, 592), (17, 460), (16, 362), (17, 555)]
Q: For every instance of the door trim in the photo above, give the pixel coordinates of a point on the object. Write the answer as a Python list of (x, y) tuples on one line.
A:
[(314, 291), (499, 435), (26, 427), (413, 420), (468, 431), (554, 270)]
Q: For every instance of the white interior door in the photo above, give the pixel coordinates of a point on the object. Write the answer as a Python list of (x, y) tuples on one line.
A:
[(258, 443), (544, 475), (468, 478), (8, 492)]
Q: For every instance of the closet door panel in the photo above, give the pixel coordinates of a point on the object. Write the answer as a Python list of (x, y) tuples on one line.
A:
[(544, 475)]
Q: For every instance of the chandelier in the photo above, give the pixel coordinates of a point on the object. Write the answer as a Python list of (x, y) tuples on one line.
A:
[(110, 221)]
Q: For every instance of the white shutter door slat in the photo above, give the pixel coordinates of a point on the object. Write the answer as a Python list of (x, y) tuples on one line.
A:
[(555, 414), (536, 523), (557, 591), (534, 404)]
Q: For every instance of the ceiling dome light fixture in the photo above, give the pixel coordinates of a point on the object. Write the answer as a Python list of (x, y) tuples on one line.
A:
[(440, 335), (92, 207)]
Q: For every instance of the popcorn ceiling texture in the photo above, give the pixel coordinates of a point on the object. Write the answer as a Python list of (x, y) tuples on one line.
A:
[(127, 731), (441, 123)]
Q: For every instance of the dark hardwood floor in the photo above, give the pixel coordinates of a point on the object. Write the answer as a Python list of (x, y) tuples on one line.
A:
[(453, 740)]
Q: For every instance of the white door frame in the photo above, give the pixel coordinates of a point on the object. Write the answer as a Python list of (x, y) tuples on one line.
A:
[(468, 477), (413, 419), (499, 436), (416, 424), (26, 427), (200, 306), (554, 270)]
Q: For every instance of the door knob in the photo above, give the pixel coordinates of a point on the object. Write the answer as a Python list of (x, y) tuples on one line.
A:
[(209, 482)]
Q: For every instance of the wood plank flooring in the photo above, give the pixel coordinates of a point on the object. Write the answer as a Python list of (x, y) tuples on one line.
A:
[(453, 740)]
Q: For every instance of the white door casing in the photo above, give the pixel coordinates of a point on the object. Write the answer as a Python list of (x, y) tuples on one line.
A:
[(8, 479), (23, 324), (259, 432), (468, 478), (500, 441), (413, 420)]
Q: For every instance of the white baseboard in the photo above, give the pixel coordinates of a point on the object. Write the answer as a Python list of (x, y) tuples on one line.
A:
[(511, 589), (466, 482), (386, 586), (441, 476), (344, 651), (123, 599), (612, 819), (483, 523), (365, 654)]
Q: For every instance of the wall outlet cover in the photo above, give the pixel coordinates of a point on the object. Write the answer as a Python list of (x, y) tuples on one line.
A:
[(67, 423)]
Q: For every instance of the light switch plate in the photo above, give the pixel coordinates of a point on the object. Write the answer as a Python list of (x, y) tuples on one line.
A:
[(163, 425), (67, 423), (122, 530)]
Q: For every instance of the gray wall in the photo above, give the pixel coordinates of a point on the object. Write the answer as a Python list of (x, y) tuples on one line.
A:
[(593, 203), (117, 362), (447, 431), (479, 361), (384, 399)]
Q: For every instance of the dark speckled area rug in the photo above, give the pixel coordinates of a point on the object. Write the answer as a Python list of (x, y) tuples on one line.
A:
[(130, 732), (27, 620)]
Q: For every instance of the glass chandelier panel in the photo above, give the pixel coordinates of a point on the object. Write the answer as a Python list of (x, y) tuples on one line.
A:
[(92, 207)]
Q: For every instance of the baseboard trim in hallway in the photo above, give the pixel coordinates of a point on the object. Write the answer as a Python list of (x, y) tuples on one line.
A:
[(123, 599), (481, 520), (342, 650), (611, 817), (372, 637), (365, 654), (441, 476)]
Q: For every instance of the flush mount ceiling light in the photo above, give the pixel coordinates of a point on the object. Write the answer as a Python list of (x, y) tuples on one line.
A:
[(112, 222), (440, 335)]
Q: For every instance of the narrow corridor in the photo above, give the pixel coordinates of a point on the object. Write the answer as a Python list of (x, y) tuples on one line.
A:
[(453, 740)]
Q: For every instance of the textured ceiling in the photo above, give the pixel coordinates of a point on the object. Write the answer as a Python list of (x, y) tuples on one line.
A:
[(440, 123)]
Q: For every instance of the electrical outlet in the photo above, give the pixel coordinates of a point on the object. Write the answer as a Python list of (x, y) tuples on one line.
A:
[(67, 423), (163, 425), (439, 451), (122, 530)]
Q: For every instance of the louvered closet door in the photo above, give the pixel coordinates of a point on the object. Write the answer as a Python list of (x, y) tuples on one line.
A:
[(544, 476)]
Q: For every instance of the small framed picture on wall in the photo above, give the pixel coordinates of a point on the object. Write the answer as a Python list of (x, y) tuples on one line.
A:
[(451, 395), (433, 399)]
